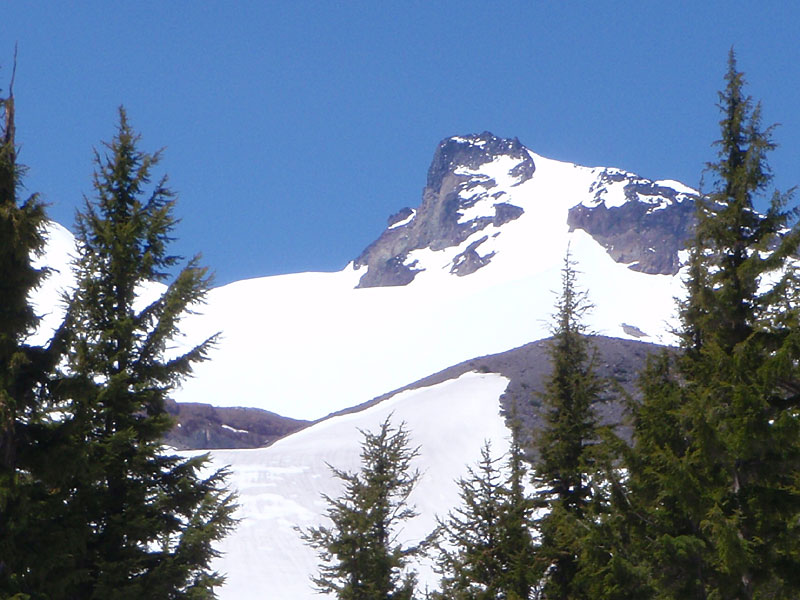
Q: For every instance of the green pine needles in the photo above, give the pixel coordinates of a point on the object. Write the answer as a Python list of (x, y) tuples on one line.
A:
[(711, 504), (360, 556), (85, 475), (565, 473), (740, 366), (485, 547), (153, 517), (23, 367)]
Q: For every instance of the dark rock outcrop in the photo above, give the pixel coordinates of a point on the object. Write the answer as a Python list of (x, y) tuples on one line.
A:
[(648, 230), (436, 222), (202, 426), (470, 261), (473, 151), (399, 216)]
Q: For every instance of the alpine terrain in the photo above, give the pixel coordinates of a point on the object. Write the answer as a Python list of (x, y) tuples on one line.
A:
[(455, 295)]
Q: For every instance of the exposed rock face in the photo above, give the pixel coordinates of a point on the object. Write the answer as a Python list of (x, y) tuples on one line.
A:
[(472, 152), (470, 261), (202, 426), (454, 185), (469, 188), (647, 229)]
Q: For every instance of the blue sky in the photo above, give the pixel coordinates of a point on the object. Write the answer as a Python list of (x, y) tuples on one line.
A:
[(292, 130)]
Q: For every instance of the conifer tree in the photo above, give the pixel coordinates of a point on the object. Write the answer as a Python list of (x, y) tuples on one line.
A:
[(741, 364), (486, 551), (27, 450), (150, 518), (21, 238), (470, 550), (646, 544), (360, 558), (565, 468), (713, 495), (523, 578)]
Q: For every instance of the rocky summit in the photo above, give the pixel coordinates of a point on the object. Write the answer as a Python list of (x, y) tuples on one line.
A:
[(469, 189), (647, 229)]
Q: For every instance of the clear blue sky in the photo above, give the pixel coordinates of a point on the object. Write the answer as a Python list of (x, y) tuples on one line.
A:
[(294, 129)]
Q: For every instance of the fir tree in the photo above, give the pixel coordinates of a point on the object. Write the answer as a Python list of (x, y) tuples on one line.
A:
[(21, 239), (565, 467), (470, 556), (28, 452), (713, 496), (150, 518), (741, 366), (360, 558), (522, 576), (646, 545), (486, 551)]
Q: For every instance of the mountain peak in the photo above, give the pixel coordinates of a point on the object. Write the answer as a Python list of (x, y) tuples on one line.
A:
[(471, 152), (474, 187), (465, 194)]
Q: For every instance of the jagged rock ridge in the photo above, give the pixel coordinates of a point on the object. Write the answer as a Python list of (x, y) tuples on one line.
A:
[(471, 184), (645, 223), (455, 184)]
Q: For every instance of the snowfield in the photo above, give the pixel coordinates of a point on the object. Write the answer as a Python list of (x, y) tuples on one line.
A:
[(306, 345), (280, 486), (318, 345)]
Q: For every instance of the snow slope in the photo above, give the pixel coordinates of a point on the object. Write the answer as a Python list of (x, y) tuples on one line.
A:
[(280, 486), (308, 344)]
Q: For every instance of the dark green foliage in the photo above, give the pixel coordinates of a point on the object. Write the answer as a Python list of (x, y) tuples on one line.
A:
[(360, 558), (742, 369), (713, 497), (144, 521), (26, 500), (486, 551), (566, 471), (21, 238), (646, 546)]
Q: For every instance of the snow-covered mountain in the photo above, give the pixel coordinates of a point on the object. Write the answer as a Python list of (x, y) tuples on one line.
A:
[(472, 270)]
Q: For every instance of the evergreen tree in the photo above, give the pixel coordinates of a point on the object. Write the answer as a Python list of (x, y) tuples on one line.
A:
[(646, 545), (565, 470), (522, 578), (486, 551), (149, 518), (470, 552), (360, 558), (27, 452), (21, 238), (713, 496), (741, 365)]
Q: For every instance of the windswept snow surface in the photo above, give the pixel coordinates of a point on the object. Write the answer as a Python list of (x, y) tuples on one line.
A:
[(308, 344), (279, 487)]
